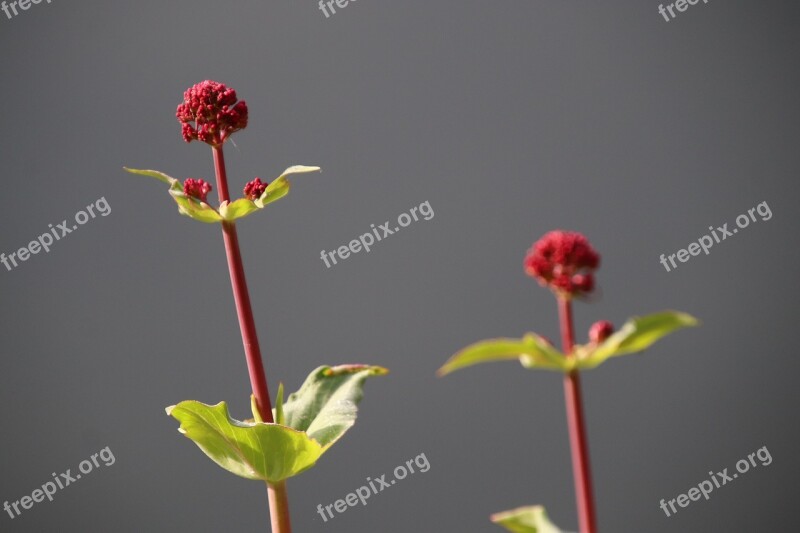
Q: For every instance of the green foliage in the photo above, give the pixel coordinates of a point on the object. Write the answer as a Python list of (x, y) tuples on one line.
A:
[(531, 519), (237, 209), (325, 407), (256, 450), (534, 352), (637, 334), (308, 424), (228, 211), (280, 418)]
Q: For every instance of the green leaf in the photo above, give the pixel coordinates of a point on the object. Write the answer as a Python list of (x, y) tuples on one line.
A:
[(194, 208), (169, 180), (298, 169), (238, 209), (533, 351), (190, 207), (280, 186), (268, 452), (274, 191), (254, 410), (637, 334), (531, 519), (325, 407), (280, 418)]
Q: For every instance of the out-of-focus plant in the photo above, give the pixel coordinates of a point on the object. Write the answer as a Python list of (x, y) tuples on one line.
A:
[(565, 262)]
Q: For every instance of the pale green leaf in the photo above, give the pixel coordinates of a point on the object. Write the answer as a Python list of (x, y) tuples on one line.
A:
[(268, 452), (280, 186), (169, 180), (190, 207), (280, 417), (326, 405), (254, 410), (531, 519), (237, 209), (194, 208), (298, 169), (532, 351), (636, 334), (274, 191)]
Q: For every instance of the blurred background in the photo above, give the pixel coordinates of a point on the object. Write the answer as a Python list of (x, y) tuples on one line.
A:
[(511, 119)]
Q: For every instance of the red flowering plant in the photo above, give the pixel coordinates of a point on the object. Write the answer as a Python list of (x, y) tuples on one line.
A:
[(565, 262), (280, 442)]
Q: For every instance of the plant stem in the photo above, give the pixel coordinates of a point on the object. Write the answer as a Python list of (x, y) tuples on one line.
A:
[(278, 502), (279, 507), (579, 446), (241, 296)]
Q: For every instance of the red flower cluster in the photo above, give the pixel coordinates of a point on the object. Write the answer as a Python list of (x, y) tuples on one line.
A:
[(563, 261), (213, 109), (600, 331), (254, 189), (198, 189)]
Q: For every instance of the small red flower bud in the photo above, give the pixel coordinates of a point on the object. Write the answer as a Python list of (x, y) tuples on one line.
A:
[(600, 331), (563, 261), (254, 189), (198, 189), (213, 109)]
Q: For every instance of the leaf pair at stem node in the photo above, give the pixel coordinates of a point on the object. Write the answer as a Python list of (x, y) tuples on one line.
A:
[(535, 352), (228, 211), (307, 425)]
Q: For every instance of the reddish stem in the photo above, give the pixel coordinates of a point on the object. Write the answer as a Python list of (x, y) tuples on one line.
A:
[(279, 507), (278, 501), (222, 176), (241, 296), (579, 446)]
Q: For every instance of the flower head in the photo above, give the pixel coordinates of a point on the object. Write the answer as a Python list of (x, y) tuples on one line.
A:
[(600, 331), (563, 261), (198, 189), (210, 113), (254, 189)]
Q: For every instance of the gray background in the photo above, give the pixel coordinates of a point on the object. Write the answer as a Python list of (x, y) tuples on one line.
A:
[(511, 118)]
